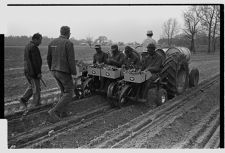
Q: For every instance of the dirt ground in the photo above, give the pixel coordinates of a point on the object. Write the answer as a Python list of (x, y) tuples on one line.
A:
[(168, 137), (179, 130)]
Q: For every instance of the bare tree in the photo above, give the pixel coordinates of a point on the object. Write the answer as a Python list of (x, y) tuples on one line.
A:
[(191, 24), (207, 15), (89, 40), (216, 27), (170, 29), (101, 40)]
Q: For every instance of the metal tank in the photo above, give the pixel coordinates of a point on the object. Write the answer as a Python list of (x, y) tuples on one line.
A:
[(182, 50)]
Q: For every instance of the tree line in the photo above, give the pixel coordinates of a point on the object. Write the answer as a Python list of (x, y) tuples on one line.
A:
[(201, 27), (23, 40)]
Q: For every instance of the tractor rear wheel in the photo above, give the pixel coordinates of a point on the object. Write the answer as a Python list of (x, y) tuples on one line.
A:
[(175, 74)]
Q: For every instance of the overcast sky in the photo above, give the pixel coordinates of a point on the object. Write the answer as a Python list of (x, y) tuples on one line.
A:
[(118, 23)]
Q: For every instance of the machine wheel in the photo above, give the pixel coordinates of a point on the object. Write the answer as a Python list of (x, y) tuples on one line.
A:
[(110, 93), (193, 77), (175, 74), (88, 87), (123, 95), (110, 90)]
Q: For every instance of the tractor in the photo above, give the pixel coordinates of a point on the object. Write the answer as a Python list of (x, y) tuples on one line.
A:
[(173, 80)]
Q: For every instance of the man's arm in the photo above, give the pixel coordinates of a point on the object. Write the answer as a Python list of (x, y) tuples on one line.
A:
[(94, 59), (71, 58), (49, 57), (156, 67), (117, 63), (36, 61), (105, 58)]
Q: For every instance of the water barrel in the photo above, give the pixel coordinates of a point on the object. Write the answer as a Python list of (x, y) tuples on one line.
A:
[(182, 50)]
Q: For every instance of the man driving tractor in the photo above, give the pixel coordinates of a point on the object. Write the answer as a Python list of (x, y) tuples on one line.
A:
[(153, 63)]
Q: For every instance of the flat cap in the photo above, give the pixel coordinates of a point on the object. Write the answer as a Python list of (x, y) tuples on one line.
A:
[(149, 32), (97, 46), (114, 47)]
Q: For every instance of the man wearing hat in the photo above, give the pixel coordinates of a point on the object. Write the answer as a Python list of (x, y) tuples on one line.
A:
[(100, 56), (152, 62), (148, 40), (61, 63), (132, 58), (117, 58)]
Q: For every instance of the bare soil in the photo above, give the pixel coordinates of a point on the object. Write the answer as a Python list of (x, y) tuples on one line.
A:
[(167, 137), (179, 130)]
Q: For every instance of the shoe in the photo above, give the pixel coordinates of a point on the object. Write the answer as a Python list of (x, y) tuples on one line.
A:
[(54, 116), (23, 102)]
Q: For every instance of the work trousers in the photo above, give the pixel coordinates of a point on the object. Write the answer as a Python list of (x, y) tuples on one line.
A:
[(145, 85), (33, 89), (65, 83)]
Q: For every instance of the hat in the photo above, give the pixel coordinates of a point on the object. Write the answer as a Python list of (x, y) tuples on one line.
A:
[(64, 30), (97, 46), (114, 47), (149, 32)]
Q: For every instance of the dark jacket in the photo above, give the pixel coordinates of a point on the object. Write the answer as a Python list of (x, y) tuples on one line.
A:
[(32, 60), (100, 57), (61, 56), (117, 60), (152, 63), (134, 60)]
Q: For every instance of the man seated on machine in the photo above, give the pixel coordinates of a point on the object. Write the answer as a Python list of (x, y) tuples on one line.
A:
[(132, 58), (99, 57), (153, 63), (117, 58)]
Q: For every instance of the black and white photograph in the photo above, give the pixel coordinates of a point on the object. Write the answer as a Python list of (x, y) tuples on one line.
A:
[(113, 75)]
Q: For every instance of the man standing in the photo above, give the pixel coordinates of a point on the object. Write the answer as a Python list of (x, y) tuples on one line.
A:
[(100, 56), (148, 40), (32, 71), (61, 62), (117, 58)]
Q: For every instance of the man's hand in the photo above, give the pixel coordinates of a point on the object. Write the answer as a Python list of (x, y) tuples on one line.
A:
[(145, 70), (74, 76), (39, 76)]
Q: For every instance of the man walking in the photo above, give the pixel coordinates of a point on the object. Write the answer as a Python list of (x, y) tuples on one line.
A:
[(61, 62), (32, 71)]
